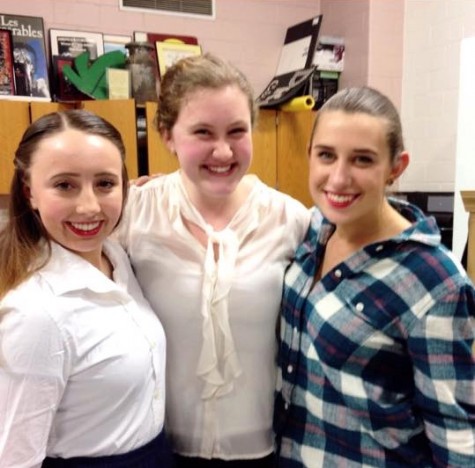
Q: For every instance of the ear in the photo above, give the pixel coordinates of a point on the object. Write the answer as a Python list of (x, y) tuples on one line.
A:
[(400, 164), (167, 138)]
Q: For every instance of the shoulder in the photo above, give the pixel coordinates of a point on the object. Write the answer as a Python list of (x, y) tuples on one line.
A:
[(116, 252), (153, 187), (281, 203), (436, 270), (147, 204), (28, 325)]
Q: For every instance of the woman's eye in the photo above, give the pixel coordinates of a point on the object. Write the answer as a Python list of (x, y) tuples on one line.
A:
[(63, 186), (202, 131), (238, 131), (364, 160), (107, 184), (325, 155)]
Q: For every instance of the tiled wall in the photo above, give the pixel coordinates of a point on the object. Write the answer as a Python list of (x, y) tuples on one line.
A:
[(386, 28), (373, 33), (433, 33), (349, 19)]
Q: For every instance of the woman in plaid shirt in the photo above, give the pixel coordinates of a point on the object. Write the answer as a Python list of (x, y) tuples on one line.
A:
[(377, 317)]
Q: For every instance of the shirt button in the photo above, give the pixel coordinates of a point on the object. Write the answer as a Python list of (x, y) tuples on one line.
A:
[(360, 307), (338, 273), (286, 405), (290, 368)]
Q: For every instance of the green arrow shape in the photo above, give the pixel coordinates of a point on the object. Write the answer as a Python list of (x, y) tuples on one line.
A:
[(91, 78)]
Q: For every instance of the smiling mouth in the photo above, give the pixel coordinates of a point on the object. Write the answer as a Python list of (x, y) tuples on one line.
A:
[(340, 200), (220, 169), (85, 229)]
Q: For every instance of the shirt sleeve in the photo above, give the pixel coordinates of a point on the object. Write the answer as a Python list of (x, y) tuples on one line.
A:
[(32, 381), (441, 346)]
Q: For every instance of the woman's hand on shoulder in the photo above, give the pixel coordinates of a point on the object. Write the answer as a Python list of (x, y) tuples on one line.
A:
[(142, 180)]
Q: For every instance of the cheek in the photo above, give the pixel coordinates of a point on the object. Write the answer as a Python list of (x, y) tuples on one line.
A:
[(188, 149), (243, 148), (113, 205)]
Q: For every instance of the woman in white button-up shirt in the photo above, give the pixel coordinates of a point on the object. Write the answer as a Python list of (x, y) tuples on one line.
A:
[(209, 246), (82, 355)]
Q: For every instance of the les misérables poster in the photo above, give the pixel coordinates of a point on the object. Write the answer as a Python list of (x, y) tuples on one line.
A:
[(29, 55)]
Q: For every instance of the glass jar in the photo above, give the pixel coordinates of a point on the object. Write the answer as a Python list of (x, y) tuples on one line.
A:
[(143, 71)]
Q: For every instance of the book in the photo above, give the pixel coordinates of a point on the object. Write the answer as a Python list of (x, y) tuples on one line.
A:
[(299, 46), (330, 54), (295, 67), (7, 79), (68, 43), (161, 37), (29, 55), (322, 86), (64, 90)]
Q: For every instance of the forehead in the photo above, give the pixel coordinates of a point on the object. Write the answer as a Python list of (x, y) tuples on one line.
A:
[(76, 149), (220, 105), (208, 94), (355, 125)]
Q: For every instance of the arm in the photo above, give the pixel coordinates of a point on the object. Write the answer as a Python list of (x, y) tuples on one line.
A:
[(31, 382), (444, 369)]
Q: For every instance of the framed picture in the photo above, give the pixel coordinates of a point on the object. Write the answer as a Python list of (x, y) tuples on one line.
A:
[(159, 37), (7, 74), (116, 42), (118, 83), (63, 89), (73, 43), (169, 52)]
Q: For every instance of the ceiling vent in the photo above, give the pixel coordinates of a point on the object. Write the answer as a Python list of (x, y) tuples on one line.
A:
[(196, 8)]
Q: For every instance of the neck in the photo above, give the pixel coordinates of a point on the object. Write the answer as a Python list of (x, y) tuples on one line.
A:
[(387, 224), (218, 211), (99, 260)]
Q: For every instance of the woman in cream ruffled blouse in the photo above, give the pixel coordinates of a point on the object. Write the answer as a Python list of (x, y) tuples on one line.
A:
[(209, 246)]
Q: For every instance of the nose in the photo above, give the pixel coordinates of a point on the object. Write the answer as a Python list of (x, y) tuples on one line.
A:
[(87, 202), (222, 150), (340, 174)]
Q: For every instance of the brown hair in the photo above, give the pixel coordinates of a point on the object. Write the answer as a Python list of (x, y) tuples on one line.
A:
[(369, 101), (24, 238), (193, 73)]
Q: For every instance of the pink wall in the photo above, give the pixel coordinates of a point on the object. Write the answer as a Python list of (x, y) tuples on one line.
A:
[(350, 20), (373, 33), (248, 32), (386, 44)]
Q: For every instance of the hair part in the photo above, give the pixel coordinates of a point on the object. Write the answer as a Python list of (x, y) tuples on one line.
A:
[(368, 101), (194, 73), (24, 242)]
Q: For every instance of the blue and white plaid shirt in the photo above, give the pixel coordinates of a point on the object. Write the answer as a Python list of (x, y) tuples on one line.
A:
[(376, 358)]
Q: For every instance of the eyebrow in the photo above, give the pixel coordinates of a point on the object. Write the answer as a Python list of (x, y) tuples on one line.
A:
[(356, 150), (77, 174)]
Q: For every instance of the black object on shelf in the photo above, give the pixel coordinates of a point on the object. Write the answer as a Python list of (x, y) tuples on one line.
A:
[(440, 205)]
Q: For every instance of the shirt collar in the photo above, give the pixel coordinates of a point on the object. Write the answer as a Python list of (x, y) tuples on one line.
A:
[(67, 271)]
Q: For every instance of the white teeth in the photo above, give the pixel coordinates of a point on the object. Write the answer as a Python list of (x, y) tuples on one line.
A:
[(340, 198), (86, 226), (219, 169)]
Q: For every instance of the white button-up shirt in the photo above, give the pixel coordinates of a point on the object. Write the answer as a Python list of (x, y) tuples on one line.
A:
[(82, 363), (219, 316)]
